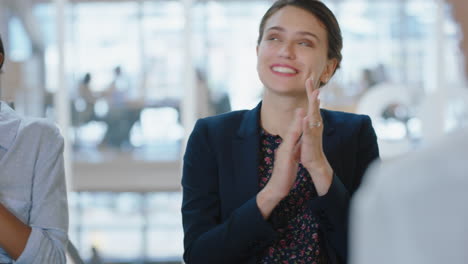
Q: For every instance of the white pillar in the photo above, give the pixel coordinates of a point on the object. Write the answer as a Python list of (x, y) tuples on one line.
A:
[(434, 105), (141, 89), (188, 107), (61, 98)]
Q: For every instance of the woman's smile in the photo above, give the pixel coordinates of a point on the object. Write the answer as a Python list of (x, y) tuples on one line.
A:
[(284, 70)]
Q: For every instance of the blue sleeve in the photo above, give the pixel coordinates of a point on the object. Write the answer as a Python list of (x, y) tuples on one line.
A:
[(49, 212), (333, 207), (208, 239)]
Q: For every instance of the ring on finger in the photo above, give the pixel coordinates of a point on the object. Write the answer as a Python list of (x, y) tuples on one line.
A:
[(315, 124)]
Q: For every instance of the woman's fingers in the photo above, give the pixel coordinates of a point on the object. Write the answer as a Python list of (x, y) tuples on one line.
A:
[(313, 111), (286, 159), (312, 128), (297, 150), (313, 121), (295, 131)]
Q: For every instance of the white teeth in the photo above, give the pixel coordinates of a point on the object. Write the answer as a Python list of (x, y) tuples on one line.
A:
[(283, 69)]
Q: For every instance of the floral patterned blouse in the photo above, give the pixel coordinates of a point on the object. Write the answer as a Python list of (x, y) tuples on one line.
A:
[(298, 234)]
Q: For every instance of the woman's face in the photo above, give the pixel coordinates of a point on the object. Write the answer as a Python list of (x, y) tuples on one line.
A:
[(293, 48)]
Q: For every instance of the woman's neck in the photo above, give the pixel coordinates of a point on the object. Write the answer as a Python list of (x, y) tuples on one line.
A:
[(277, 111)]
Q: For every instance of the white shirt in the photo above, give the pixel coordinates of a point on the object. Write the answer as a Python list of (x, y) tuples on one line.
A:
[(32, 185), (414, 209)]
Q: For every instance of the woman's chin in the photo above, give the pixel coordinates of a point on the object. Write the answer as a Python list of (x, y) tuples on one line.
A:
[(286, 91)]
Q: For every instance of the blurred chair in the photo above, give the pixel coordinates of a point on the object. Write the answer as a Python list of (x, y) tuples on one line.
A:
[(389, 107)]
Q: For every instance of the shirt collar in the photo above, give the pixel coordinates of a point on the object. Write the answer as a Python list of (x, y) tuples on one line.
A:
[(9, 123)]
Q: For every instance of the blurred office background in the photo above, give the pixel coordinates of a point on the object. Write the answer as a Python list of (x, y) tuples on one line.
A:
[(126, 80)]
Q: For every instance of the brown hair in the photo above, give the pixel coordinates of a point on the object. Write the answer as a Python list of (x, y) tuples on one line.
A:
[(322, 13)]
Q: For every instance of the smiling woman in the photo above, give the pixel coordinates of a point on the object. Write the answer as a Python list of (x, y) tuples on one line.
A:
[(273, 184), (294, 45), (325, 25)]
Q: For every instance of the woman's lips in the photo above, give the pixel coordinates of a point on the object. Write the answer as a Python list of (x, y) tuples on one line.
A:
[(284, 70)]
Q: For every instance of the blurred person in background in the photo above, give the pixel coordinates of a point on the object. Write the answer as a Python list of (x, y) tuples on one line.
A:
[(414, 210), (209, 102), (120, 117), (95, 256), (83, 105), (33, 198), (273, 184), (117, 91), (204, 98)]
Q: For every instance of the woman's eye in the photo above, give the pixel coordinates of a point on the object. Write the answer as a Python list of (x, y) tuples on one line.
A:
[(272, 37), (305, 43)]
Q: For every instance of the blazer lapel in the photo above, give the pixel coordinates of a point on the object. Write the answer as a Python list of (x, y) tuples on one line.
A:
[(245, 154), (331, 142)]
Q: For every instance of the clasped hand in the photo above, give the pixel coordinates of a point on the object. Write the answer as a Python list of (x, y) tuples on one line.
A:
[(303, 144)]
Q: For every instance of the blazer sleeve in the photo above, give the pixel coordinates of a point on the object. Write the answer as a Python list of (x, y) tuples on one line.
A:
[(208, 239), (333, 207)]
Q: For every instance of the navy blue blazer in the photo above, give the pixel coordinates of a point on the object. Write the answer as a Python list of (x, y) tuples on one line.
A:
[(221, 220)]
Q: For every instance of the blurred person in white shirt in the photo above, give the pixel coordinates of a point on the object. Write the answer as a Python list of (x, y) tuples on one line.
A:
[(415, 209), (33, 197)]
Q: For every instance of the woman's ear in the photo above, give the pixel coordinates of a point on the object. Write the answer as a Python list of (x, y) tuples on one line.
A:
[(329, 71)]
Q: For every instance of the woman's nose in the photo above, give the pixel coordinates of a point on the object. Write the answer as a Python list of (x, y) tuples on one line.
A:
[(287, 51)]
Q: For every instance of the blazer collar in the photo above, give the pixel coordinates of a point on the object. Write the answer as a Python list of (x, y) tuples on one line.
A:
[(245, 153), (250, 125), (328, 128)]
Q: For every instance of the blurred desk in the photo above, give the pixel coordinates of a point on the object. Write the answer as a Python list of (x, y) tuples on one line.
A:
[(121, 172)]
